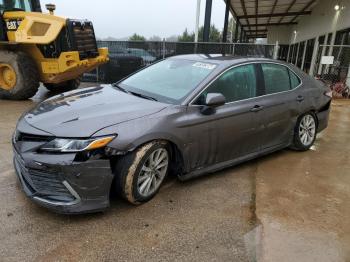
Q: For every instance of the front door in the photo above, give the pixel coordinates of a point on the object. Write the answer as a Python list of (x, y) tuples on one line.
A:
[(231, 131)]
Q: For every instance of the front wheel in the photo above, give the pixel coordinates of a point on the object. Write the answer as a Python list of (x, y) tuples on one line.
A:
[(305, 132), (140, 174)]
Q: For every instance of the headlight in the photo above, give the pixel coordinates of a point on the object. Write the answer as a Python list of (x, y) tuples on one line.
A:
[(76, 145)]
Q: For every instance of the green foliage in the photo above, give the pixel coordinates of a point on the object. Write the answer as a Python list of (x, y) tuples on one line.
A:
[(136, 37), (214, 35), (186, 37)]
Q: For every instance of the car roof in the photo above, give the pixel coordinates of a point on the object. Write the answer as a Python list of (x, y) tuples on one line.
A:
[(224, 60)]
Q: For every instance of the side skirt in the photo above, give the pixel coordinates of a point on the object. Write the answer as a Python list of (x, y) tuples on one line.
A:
[(229, 163)]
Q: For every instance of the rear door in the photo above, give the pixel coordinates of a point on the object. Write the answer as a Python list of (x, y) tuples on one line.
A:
[(281, 104)]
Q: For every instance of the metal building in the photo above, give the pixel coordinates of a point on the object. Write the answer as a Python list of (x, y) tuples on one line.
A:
[(312, 34)]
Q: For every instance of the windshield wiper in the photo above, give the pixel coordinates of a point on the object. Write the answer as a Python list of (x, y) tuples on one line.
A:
[(134, 93), (120, 88), (143, 96)]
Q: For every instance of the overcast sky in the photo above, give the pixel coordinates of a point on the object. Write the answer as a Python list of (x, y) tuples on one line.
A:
[(122, 18)]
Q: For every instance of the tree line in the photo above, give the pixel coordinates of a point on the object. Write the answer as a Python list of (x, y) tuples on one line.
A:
[(215, 35)]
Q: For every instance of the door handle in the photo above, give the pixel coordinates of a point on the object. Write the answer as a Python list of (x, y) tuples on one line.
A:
[(256, 108), (300, 98)]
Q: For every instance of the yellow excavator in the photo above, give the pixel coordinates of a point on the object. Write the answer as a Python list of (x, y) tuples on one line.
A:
[(37, 47)]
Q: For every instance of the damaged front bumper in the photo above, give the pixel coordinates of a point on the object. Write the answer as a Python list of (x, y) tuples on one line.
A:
[(59, 183)]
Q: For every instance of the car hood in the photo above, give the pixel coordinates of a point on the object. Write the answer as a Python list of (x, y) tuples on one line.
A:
[(83, 112)]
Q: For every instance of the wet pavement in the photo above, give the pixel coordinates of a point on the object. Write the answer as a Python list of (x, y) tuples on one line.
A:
[(288, 206)]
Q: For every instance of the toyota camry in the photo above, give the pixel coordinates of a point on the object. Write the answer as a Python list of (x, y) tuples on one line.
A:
[(187, 115)]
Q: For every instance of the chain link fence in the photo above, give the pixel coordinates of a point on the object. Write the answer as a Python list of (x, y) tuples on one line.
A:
[(332, 66), (127, 57)]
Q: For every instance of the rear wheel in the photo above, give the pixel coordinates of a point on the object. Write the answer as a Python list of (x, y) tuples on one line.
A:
[(19, 77), (305, 132), (140, 174), (64, 86)]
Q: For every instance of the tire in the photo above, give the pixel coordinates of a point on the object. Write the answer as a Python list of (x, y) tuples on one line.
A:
[(305, 132), (131, 174), (63, 87), (26, 76)]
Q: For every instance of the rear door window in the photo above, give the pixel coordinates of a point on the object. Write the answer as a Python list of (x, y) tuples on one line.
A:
[(276, 78), (294, 80)]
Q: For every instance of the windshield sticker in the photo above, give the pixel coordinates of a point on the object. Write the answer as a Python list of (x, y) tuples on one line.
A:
[(204, 65)]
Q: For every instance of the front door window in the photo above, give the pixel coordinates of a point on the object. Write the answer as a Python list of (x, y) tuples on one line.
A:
[(236, 84)]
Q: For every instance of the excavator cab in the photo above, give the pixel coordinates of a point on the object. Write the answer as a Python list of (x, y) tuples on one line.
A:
[(41, 47)]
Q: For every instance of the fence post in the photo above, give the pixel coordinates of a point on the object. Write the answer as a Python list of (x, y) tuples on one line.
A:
[(163, 48), (233, 49), (314, 55), (275, 51), (97, 74)]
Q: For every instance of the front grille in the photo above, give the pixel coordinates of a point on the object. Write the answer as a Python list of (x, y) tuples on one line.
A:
[(23, 137), (82, 38), (43, 184), (50, 185)]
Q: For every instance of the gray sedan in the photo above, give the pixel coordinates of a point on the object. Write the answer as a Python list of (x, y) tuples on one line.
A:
[(188, 115)]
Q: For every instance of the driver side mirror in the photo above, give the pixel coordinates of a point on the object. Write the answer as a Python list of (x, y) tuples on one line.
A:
[(212, 101), (215, 100)]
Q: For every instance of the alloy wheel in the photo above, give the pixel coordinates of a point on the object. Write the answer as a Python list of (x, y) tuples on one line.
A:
[(153, 172), (307, 130)]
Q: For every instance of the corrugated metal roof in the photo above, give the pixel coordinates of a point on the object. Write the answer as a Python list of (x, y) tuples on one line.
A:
[(256, 15)]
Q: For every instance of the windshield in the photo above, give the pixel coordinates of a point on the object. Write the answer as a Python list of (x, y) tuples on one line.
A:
[(168, 81), (7, 5)]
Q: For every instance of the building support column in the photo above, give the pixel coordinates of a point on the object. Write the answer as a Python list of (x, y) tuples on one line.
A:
[(297, 56), (275, 51), (232, 26), (208, 7), (241, 35), (236, 32), (289, 49), (330, 51), (227, 13), (304, 53), (314, 56), (320, 66)]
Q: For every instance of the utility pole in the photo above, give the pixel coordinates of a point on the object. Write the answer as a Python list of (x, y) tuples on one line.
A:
[(197, 20), (207, 18)]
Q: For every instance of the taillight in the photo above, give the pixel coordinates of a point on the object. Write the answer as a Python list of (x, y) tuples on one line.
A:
[(328, 93)]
